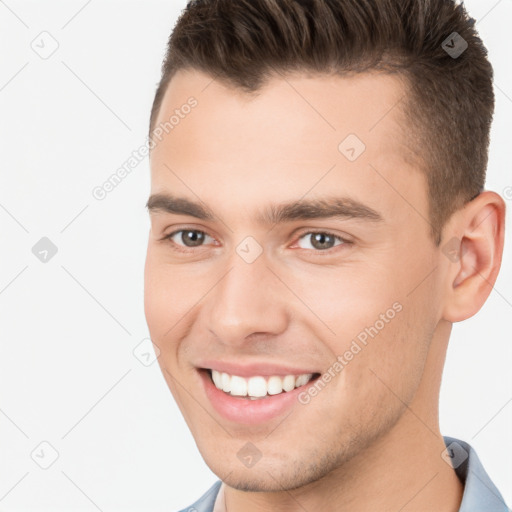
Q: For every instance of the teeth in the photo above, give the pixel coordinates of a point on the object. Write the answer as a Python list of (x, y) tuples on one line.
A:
[(225, 382), (217, 379), (289, 383), (274, 385), (301, 380), (238, 385), (257, 387)]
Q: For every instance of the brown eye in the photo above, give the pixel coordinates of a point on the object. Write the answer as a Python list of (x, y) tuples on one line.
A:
[(188, 237), (321, 240)]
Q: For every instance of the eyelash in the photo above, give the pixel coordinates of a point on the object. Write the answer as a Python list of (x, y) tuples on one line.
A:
[(180, 248)]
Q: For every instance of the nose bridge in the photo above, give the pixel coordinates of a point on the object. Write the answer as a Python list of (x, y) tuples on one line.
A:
[(244, 301)]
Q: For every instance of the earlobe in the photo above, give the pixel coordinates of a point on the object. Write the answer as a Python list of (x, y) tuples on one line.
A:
[(474, 256)]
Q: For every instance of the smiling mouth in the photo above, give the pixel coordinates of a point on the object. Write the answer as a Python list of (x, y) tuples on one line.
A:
[(257, 387)]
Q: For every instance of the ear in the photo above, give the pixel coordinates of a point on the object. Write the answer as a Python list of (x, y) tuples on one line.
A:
[(473, 247)]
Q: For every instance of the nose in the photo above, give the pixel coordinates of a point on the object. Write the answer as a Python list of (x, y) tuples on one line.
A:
[(249, 299)]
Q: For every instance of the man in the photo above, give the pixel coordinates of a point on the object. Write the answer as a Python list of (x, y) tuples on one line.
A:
[(318, 223)]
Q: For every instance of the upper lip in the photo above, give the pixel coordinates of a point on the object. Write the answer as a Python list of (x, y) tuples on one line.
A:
[(253, 369)]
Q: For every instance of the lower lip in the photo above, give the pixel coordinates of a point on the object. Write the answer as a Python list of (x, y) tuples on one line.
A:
[(245, 410)]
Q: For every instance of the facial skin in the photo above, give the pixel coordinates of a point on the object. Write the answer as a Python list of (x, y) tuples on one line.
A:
[(370, 439)]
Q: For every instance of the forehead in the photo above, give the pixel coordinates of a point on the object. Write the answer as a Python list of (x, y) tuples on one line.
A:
[(284, 139), (317, 108)]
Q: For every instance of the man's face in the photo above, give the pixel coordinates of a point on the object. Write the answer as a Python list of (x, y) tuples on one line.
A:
[(239, 292)]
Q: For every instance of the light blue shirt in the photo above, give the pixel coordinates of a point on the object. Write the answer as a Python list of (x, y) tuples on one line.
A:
[(480, 494)]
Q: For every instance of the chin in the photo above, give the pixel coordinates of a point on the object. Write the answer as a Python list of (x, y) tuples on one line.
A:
[(272, 477), (261, 482)]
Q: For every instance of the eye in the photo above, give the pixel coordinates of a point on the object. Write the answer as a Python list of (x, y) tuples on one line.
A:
[(185, 240), (189, 238), (321, 240)]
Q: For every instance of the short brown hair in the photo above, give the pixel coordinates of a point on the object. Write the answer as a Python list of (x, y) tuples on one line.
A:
[(450, 99)]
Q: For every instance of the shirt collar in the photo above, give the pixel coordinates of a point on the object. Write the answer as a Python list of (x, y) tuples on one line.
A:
[(479, 491)]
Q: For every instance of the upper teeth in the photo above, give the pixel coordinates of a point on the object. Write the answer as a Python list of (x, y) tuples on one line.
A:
[(257, 386)]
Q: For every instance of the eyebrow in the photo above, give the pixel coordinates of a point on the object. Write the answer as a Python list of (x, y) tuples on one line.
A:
[(340, 207)]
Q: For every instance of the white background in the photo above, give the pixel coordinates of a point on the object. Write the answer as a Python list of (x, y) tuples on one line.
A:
[(68, 375)]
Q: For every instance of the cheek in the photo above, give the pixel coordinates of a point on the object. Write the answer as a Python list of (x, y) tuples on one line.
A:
[(163, 299), (171, 293), (152, 294), (373, 322), (382, 373), (392, 362), (346, 300)]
